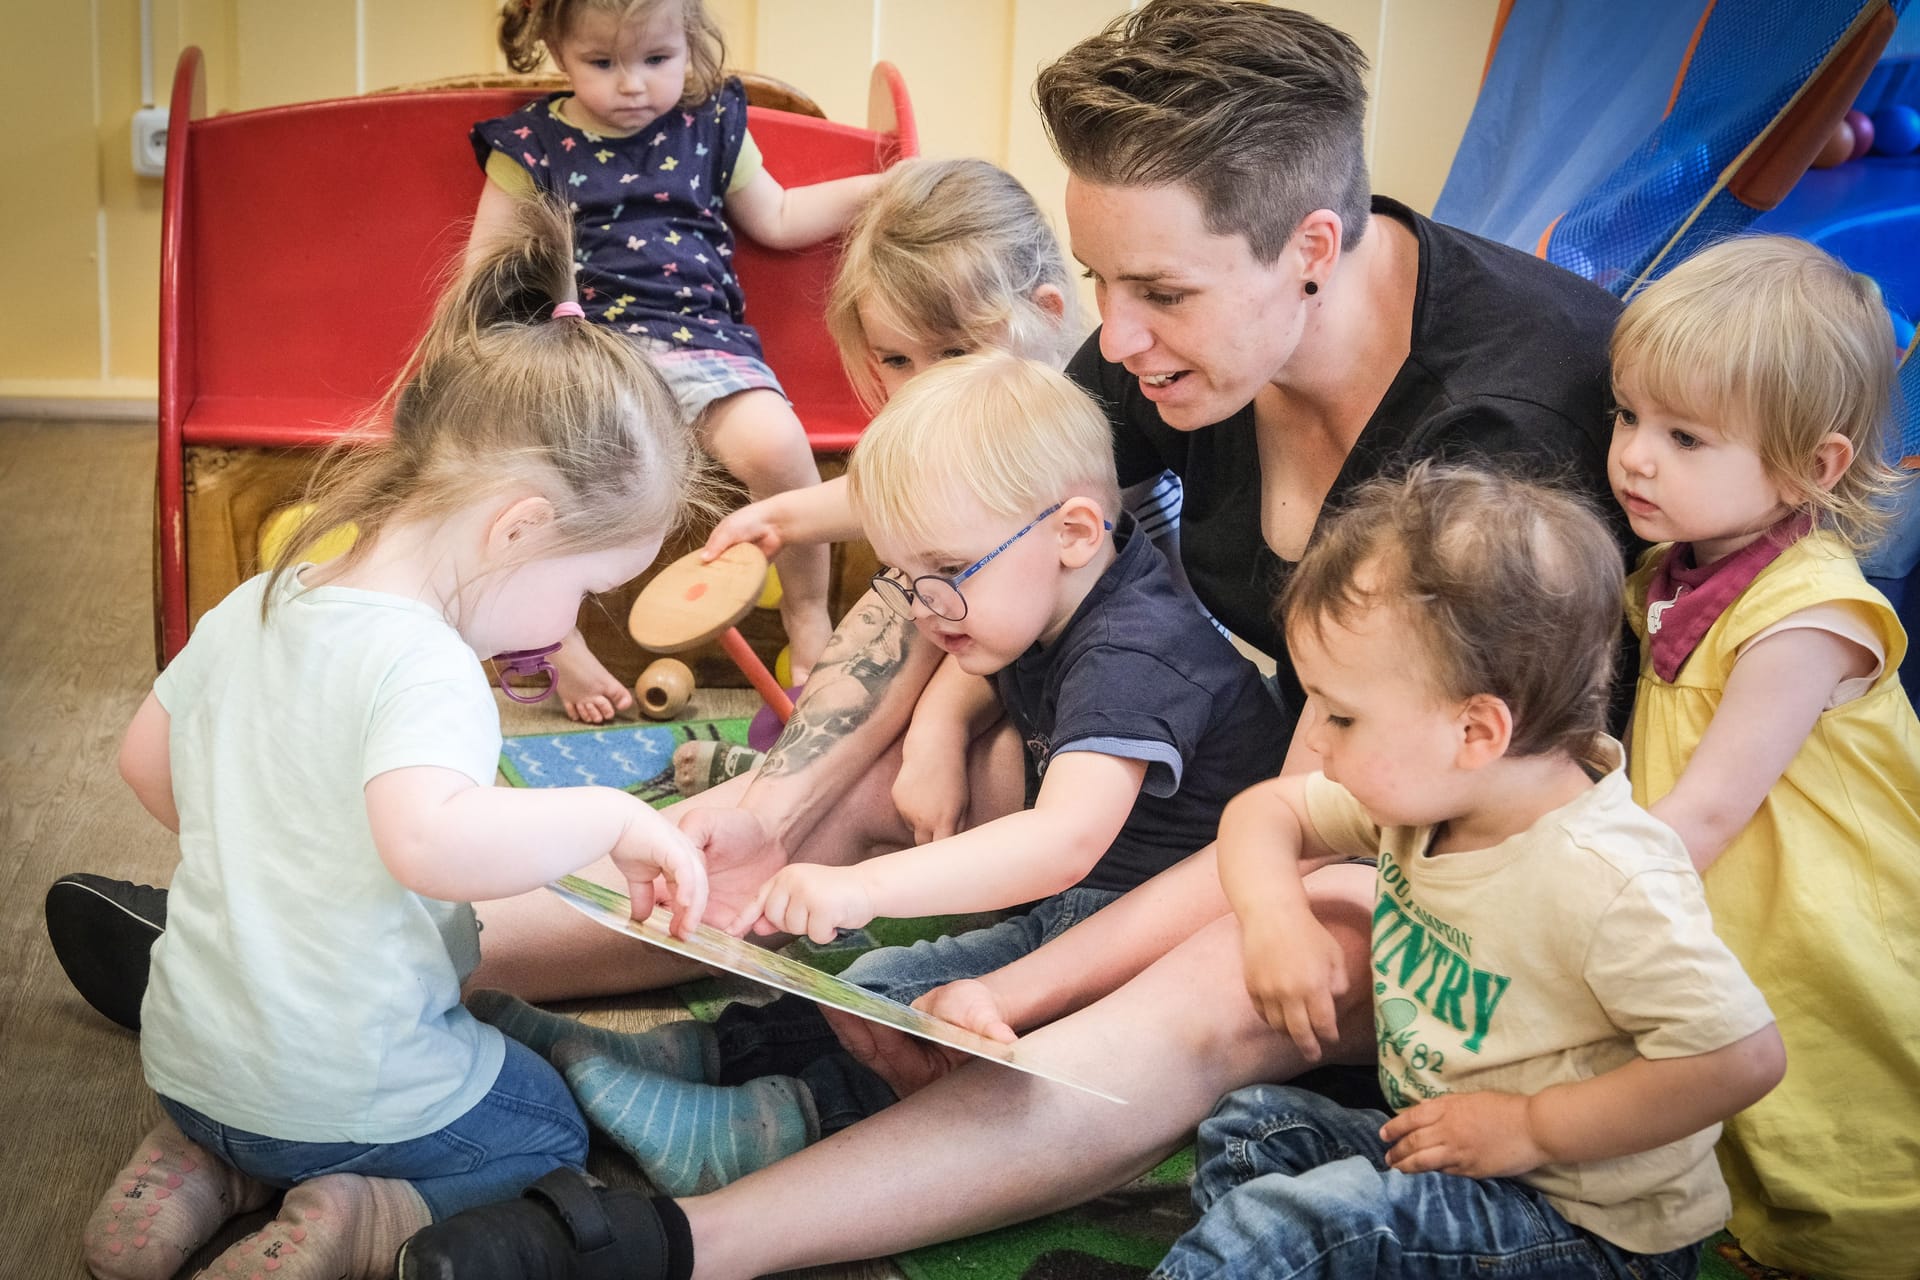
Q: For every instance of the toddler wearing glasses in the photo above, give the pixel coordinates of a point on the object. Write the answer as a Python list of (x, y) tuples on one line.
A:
[(987, 485)]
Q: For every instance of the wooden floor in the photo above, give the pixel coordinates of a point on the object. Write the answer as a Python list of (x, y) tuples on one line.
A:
[(76, 657)]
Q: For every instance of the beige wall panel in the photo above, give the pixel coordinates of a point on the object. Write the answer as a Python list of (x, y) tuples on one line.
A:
[(739, 23), (131, 325), (954, 55), (822, 46), (1042, 31), (209, 24), (1360, 19), (50, 202), (293, 51), (1429, 75), (428, 40), (1365, 22)]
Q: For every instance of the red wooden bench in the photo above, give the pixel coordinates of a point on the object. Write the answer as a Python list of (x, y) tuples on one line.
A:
[(302, 248)]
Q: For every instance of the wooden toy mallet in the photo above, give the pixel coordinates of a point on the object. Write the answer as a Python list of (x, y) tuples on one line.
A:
[(690, 603)]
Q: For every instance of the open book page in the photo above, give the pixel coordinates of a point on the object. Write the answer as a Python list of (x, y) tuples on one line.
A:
[(736, 955)]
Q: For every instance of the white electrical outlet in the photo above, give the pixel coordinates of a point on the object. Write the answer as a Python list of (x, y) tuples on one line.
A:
[(150, 142)]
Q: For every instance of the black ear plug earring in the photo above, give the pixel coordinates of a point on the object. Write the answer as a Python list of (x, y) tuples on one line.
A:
[(1312, 288)]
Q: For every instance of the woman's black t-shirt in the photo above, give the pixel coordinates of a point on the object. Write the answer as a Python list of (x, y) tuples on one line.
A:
[(1508, 365)]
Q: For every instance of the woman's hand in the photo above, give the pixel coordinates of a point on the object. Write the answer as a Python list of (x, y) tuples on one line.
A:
[(651, 848), (907, 1063), (930, 791), (968, 1003), (1294, 971), (741, 854)]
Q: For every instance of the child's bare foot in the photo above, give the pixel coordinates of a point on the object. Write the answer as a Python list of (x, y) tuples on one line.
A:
[(340, 1227), (585, 687), (808, 629), (706, 763), (168, 1201)]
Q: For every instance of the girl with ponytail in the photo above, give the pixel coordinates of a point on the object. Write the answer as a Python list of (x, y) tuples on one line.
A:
[(325, 748)]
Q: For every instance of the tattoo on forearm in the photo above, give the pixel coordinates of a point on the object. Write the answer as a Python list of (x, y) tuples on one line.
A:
[(846, 686)]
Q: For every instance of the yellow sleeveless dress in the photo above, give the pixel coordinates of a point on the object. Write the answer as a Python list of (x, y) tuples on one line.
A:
[(1819, 897)]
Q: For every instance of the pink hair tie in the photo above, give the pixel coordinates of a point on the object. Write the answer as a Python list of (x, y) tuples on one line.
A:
[(561, 309)]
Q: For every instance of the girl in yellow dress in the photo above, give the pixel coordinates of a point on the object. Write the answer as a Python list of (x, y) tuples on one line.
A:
[(1770, 728)]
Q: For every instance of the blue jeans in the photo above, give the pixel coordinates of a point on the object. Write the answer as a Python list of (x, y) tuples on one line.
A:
[(1290, 1184), (790, 1037), (907, 973), (526, 1126)]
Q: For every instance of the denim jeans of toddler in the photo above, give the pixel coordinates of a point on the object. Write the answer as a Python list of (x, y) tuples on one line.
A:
[(1290, 1185), (525, 1127), (790, 1037)]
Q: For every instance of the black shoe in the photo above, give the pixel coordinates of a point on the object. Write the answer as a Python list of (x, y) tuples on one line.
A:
[(102, 932), (563, 1227)]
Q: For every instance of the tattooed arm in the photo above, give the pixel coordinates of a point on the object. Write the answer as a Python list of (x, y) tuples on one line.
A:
[(856, 705)]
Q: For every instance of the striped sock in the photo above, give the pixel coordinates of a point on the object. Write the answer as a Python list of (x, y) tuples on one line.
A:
[(704, 763), (684, 1050), (690, 1138)]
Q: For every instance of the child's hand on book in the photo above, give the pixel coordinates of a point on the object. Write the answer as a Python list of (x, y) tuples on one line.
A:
[(805, 898), (1294, 972), (907, 1063), (1476, 1135), (650, 848), (968, 1003)]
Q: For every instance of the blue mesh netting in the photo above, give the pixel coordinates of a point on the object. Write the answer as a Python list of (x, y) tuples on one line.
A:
[(1660, 204), (1572, 124), (1907, 412)]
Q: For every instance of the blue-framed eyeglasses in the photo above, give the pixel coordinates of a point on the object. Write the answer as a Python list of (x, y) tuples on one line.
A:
[(941, 595)]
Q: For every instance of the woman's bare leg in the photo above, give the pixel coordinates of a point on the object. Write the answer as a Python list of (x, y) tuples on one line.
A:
[(986, 1146)]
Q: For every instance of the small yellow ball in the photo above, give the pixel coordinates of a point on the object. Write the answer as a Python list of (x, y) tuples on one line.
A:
[(770, 592), (280, 526), (783, 667)]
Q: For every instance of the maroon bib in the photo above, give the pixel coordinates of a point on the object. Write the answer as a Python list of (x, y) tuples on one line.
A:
[(1683, 602)]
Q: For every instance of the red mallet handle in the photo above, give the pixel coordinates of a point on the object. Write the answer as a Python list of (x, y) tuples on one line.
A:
[(756, 673)]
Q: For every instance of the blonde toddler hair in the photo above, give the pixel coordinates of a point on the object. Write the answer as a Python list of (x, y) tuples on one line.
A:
[(531, 29), (1013, 434), (500, 396), (950, 251), (1776, 335)]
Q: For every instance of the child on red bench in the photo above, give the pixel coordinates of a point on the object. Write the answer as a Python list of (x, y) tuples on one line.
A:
[(650, 150)]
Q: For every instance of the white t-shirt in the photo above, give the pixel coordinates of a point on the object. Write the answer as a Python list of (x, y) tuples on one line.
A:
[(1559, 954), (299, 990)]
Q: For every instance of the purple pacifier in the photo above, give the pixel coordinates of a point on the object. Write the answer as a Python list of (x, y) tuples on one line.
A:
[(528, 662)]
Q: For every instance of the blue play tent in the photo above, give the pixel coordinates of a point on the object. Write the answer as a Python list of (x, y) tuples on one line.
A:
[(1617, 138)]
